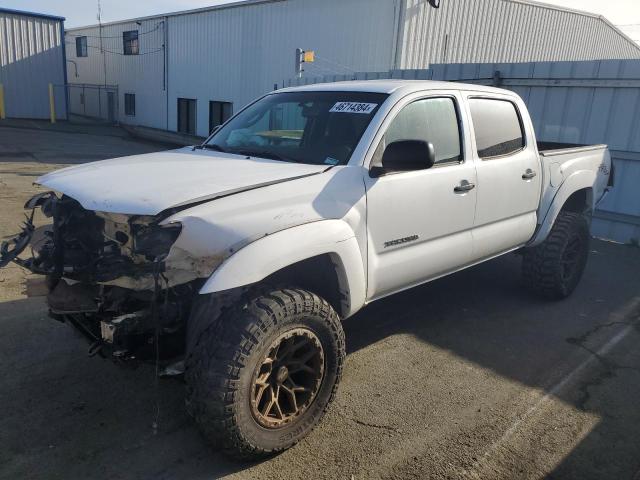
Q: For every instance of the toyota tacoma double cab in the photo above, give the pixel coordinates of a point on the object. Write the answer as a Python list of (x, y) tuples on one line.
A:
[(239, 258)]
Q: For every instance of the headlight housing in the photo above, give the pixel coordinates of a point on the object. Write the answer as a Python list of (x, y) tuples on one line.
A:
[(154, 241)]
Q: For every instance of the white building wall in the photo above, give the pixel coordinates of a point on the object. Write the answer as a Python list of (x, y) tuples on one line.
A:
[(231, 53), (141, 74), (31, 57)]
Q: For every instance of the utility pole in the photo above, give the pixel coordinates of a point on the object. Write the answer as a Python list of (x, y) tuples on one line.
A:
[(104, 58), (299, 63)]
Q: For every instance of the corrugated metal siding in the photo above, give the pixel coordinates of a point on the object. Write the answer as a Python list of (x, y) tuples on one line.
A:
[(505, 31), (31, 57), (587, 102), (237, 53)]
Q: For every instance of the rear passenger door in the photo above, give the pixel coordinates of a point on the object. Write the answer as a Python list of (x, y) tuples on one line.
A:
[(509, 175)]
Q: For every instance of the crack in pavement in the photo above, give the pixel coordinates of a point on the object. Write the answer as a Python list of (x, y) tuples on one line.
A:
[(582, 338), (609, 366), (373, 425), (368, 424)]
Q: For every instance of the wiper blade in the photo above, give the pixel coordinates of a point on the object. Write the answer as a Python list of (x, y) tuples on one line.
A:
[(210, 146), (265, 154)]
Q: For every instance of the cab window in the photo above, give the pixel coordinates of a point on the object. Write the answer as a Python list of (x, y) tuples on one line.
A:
[(432, 120)]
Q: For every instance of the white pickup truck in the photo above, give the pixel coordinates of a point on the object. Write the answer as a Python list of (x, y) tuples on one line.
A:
[(242, 256)]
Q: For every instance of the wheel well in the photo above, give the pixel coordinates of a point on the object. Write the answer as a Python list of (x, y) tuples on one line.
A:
[(579, 201), (318, 275)]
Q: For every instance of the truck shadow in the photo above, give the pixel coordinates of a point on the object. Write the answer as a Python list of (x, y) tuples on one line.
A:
[(69, 416)]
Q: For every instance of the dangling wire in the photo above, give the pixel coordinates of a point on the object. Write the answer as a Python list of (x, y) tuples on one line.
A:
[(157, 263)]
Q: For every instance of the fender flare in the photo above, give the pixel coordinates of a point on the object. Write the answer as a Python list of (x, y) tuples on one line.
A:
[(577, 181), (272, 253)]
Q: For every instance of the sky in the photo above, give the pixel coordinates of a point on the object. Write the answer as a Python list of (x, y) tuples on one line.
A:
[(625, 13)]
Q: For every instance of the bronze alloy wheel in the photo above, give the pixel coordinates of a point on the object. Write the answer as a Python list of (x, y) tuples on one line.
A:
[(286, 382)]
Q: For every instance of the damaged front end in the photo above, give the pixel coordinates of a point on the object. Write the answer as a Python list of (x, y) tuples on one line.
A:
[(113, 277)]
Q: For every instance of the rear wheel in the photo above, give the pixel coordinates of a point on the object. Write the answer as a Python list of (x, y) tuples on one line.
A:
[(262, 377), (554, 268)]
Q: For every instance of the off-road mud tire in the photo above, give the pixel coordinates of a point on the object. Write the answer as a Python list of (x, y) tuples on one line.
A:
[(543, 266), (220, 369)]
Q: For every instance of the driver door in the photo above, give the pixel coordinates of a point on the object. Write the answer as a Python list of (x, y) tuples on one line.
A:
[(419, 222)]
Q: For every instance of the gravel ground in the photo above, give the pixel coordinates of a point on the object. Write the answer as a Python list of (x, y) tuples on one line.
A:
[(467, 377)]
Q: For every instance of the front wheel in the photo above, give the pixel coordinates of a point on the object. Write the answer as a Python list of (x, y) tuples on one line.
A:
[(554, 268), (262, 377)]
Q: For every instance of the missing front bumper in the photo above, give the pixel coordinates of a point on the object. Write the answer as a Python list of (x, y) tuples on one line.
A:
[(106, 276)]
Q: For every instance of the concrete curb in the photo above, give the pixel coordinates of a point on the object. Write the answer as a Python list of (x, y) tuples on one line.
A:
[(65, 127)]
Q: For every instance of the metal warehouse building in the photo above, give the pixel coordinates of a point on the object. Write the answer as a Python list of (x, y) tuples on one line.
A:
[(31, 57), (188, 71)]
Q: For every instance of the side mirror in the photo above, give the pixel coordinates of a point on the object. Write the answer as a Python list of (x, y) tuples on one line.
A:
[(405, 156)]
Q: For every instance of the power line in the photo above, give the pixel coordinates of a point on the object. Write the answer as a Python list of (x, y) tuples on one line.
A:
[(115, 36), (118, 53), (331, 62)]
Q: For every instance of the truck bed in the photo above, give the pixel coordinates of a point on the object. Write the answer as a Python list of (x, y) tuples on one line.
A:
[(554, 149), (558, 148), (561, 161)]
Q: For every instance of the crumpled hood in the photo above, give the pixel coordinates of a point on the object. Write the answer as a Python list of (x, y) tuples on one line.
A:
[(148, 184)]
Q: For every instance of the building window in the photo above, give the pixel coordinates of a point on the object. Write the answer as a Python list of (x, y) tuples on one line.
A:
[(130, 42), (497, 127), (81, 46), (130, 104), (219, 112), (187, 116)]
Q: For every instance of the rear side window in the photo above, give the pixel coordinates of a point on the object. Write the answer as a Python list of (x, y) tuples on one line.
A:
[(497, 127), (433, 120)]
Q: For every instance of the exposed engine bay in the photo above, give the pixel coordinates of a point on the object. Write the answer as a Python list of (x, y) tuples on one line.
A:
[(112, 276)]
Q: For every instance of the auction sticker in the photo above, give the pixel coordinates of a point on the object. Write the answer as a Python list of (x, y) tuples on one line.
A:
[(353, 107)]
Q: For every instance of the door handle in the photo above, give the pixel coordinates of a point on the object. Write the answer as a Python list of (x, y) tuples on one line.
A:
[(464, 187), (529, 174)]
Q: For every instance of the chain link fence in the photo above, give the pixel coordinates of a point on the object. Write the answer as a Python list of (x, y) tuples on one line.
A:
[(91, 103)]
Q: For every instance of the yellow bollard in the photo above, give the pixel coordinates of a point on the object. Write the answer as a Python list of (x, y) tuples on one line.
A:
[(2, 113), (52, 104)]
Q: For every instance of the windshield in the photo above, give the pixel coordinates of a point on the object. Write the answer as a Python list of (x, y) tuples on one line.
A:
[(321, 128)]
